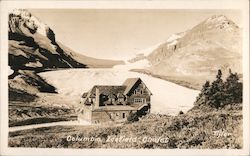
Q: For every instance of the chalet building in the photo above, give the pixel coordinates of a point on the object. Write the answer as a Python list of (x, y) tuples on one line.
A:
[(114, 103)]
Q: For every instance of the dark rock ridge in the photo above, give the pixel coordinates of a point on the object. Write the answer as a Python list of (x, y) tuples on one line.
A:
[(30, 49)]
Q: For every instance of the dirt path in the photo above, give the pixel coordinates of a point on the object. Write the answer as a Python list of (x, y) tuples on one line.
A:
[(61, 123)]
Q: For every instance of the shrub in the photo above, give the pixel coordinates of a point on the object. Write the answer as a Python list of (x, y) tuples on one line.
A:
[(181, 112), (133, 117)]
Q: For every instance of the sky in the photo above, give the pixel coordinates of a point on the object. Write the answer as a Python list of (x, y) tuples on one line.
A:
[(120, 34)]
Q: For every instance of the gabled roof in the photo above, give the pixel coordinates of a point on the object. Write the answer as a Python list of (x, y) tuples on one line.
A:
[(129, 83), (108, 90), (114, 91)]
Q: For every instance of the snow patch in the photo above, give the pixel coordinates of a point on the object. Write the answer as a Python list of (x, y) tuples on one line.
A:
[(149, 50), (221, 22), (216, 19), (10, 71), (172, 43), (34, 64), (173, 37), (141, 64)]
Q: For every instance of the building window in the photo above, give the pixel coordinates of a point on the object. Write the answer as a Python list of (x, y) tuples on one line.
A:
[(123, 115), (120, 99), (139, 100), (136, 91)]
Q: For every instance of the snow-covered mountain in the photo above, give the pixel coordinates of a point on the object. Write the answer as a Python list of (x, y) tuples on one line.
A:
[(211, 45)]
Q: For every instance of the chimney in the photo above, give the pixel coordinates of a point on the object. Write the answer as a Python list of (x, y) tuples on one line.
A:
[(97, 96)]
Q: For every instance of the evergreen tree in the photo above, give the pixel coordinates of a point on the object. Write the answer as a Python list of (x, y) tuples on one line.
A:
[(233, 89), (206, 91), (219, 74), (204, 94), (217, 91), (220, 93)]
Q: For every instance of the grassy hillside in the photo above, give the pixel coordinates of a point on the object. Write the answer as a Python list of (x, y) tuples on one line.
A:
[(27, 108), (199, 128)]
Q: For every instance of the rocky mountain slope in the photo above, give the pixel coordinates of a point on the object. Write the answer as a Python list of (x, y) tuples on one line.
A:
[(33, 48), (211, 45), (33, 45)]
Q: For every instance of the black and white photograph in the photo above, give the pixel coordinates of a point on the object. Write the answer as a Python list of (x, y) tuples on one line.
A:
[(125, 78)]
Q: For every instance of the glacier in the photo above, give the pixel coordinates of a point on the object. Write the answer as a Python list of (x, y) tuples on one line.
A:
[(168, 98)]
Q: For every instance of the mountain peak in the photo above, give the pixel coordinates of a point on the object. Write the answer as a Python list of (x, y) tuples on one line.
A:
[(220, 22), (22, 18), (21, 12), (218, 17)]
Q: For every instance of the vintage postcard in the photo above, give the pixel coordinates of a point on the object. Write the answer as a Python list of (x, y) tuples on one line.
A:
[(125, 77)]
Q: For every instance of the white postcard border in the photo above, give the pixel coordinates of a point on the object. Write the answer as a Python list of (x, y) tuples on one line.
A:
[(179, 4)]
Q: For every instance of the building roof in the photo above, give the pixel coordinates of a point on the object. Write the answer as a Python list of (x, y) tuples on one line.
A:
[(129, 83), (108, 90), (113, 91)]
